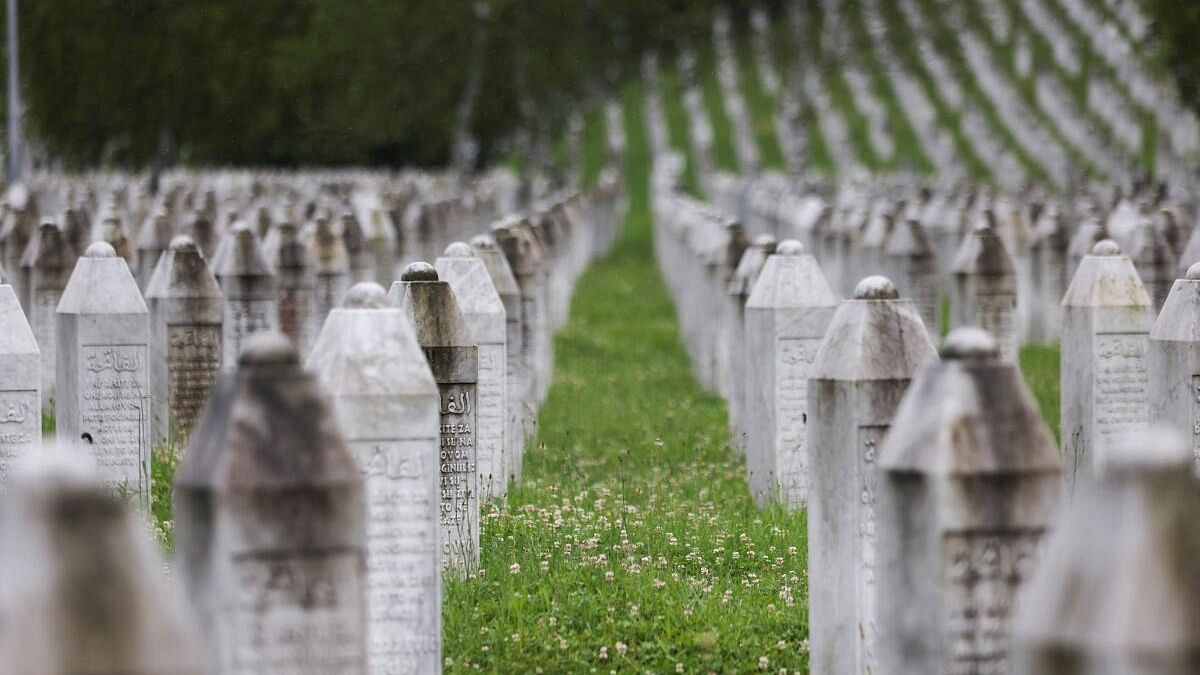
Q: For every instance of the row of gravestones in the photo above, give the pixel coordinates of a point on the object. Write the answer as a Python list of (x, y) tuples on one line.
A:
[(315, 508), (931, 485)]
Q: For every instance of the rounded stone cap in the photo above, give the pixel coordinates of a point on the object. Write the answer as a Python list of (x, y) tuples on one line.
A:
[(268, 348), (100, 249), (764, 241), (876, 287), (1106, 247), (1149, 450), (419, 271), (1194, 271), (790, 247), (365, 295), (458, 249), (970, 342), (483, 241), (183, 242)]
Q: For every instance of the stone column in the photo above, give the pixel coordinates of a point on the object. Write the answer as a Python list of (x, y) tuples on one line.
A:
[(112, 232), (1114, 591), (103, 371), (294, 280), (382, 247), (1154, 261), (1106, 321), (186, 312), (444, 336), (269, 523), (969, 482), (204, 233), (249, 286), (20, 385), (985, 289), (786, 317), (510, 295), (358, 252), (16, 229), (45, 269), (910, 256), (485, 318), (154, 238), (386, 403), (1173, 362), (875, 344), (524, 257), (83, 589), (332, 269), (1048, 260), (748, 268)]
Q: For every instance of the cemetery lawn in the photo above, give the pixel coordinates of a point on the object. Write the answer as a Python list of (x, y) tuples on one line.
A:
[(632, 545)]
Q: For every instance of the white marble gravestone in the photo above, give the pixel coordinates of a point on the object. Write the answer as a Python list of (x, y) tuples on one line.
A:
[(969, 482), (443, 334), (1114, 592), (20, 385), (510, 295), (248, 283), (786, 316), (186, 312), (1106, 322), (103, 401), (46, 266), (332, 266), (985, 289), (910, 256), (154, 238), (270, 529), (484, 314), (744, 276), (386, 403), (294, 281), (524, 255), (875, 344), (83, 589), (1173, 362)]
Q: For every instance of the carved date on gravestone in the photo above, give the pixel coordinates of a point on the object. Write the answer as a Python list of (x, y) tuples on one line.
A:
[(982, 572), (458, 479), (113, 411), (870, 437), (402, 556), (795, 357), (1120, 386), (193, 359), (296, 612), (19, 424)]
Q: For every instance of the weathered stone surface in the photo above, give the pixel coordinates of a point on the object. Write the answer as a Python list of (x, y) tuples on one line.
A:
[(510, 295), (910, 256), (332, 267), (985, 289), (154, 238), (187, 309), (485, 317), (786, 316), (744, 276), (874, 345), (369, 362), (112, 232), (248, 283), (969, 482), (103, 370), (453, 357), (294, 280), (83, 589), (269, 521), (1173, 361), (1115, 590), (45, 268), (1155, 261), (1106, 321), (524, 255), (20, 385)]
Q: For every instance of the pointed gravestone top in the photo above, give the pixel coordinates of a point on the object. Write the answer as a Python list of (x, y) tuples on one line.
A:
[(970, 343), (874, 336), (497, 265), (473, 287), (791, 278), (15, 335), (983, 253), (908, 239), (1106, 278), (419, 271), (458, 249), (751, 264), (243, 257), (183, 273), (431, 306), (876, 288), (101, 284), (48, 248), (366, 295)]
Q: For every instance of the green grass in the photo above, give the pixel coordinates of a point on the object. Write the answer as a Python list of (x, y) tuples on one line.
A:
[(1040, 365), (678, 126), (724, 155), (760, 104), (595, 146), (633, 544)]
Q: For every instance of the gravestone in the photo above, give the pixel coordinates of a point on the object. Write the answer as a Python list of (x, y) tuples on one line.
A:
[(294, 280), (358, 253), (1106, 322), (510, 295), (910, 257), (1048, 261), (155, 237), (16, 229), (332, 269), (524, 257), (205, 233), (446, 340), (386, 403), (249, 286), (103, 400), (1173, 362), (270, 523), (985, 289), (20, 385), (1114, 591), (787, 313), (112, 232), (485, 318), (969, 482), (382, 247), (875, 344), (83, 589), (1154, 261), (748, 268), (46, 267), (186, 311)]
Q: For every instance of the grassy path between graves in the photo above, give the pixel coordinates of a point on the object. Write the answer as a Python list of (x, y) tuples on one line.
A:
[(633, 545)]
